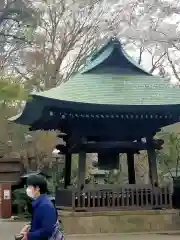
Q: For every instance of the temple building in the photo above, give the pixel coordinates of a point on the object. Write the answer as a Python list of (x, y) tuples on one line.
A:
[(111, 106)]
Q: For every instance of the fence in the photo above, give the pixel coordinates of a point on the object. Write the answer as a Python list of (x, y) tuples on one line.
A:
[(122, 198)]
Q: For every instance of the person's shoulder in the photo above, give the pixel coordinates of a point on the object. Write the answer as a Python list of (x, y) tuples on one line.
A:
[(46, 202)]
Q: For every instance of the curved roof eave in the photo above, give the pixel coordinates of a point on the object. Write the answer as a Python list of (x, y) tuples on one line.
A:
[(39, 109), (129, 59), (68, 105), (31, 113)]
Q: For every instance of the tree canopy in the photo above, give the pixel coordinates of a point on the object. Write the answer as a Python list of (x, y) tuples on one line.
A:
[(42, 43)]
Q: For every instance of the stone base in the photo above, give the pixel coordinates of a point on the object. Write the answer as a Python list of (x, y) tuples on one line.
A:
[(120, 221)]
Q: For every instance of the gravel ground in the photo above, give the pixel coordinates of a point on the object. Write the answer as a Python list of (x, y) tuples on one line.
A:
[(9, 229)]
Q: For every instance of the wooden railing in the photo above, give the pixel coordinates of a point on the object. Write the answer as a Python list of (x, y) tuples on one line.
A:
[(121, 198)]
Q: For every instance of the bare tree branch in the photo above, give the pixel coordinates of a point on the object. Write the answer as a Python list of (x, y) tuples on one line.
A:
[(14, 37), (173, 67), (156, 62)]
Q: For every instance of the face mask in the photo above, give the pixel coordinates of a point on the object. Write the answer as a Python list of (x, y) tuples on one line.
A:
[(30, 193)]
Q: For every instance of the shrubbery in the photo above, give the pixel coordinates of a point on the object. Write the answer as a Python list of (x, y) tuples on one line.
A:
[(21, 203)]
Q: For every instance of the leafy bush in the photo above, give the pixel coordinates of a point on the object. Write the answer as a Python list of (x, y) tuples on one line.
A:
[(21, 203)]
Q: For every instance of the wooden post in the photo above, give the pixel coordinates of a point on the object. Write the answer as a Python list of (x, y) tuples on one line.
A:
[(131, 168), (81, 169), (153, 174), (67, 177), (5, 200)]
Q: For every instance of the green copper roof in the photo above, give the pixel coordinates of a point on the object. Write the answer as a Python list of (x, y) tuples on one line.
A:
[(116, 90), (112, 77), (112, 58)]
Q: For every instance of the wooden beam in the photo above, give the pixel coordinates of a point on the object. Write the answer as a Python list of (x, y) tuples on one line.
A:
[(112, 131), (104, 128), (119, 146), (96, 146)]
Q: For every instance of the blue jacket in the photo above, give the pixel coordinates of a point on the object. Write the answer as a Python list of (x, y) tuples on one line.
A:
[(44, 218)]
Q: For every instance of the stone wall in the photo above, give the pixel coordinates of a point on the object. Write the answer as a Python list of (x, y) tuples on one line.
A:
[(120, 221)]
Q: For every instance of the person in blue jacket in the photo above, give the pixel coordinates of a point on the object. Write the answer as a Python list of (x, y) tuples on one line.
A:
[(44, 214)]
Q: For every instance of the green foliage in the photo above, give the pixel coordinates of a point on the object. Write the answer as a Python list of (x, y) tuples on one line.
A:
[(169, 157), (15, 19), (74, 168), (10, 90), (21, 202), (12, 94), (57, 172), (116, 177), (57, 179)]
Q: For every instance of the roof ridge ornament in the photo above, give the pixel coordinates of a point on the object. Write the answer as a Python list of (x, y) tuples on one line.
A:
[(115, 40), (114, 58)]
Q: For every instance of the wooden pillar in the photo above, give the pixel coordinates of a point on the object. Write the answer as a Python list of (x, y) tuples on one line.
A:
[(131, 168), (67, 177), (153, 174), (81, 169)]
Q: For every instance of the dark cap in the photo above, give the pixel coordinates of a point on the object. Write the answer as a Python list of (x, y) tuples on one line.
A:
[(38, 181)]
